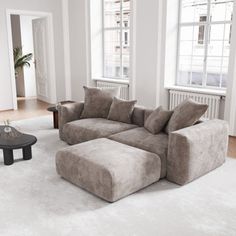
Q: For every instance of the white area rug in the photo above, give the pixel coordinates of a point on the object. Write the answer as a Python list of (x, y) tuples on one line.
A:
[(34, 200)]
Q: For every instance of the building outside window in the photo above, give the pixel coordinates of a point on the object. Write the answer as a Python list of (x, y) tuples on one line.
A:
[(201, 29), (116, 38), (204, 42)]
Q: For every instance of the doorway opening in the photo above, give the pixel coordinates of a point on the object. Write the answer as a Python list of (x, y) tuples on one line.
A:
[(31, 35), (24, 59)]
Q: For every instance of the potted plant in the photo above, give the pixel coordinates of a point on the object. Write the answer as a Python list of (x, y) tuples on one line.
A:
[(20, 60)]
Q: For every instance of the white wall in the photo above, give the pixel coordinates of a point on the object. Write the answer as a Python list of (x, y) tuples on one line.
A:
[(53, 6), (146, 52), (96, 35), (28, 47), (147, 78), (150, 53), (78, 47), (230, 103)]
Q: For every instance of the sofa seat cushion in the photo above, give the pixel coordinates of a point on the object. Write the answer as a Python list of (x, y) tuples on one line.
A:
[(108, 169), (87, 129), (143, 139)]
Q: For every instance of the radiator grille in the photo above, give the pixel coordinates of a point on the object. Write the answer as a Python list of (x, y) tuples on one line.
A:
[(124, 88), (213, 101)]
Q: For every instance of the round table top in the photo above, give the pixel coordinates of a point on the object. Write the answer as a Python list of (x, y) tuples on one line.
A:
[(15, 139)]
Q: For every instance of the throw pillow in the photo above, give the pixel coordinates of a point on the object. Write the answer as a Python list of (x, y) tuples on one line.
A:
[(185, 114), (157, 120), (97, 102), (121, 110)]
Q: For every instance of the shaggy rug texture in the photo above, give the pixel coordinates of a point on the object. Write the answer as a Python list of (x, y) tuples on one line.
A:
[(34, 200)]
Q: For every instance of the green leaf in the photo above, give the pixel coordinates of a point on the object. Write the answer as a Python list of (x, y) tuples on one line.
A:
[(20, 60)]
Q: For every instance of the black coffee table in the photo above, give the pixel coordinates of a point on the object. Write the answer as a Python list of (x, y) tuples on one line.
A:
[(15, 140)]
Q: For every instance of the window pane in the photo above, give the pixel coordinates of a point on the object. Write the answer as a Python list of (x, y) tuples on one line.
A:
[(204, 43), (216, 32), (189, 41), (225, 64), (198, 49), (227, 36), (184, 73), (190, 71), (197, 70), (186, 48), (126, 13), (112, 66), (186, 33), (184, 77), (213, 71), (213, 79), (197, 76), (112, 41), (185, 63), (112, 53), (224, 71), (214, 61), (221, 10), (191, 10), (126, 65), (112, 13), (224, 80), (219, 40), (193, 33), (215, 48)]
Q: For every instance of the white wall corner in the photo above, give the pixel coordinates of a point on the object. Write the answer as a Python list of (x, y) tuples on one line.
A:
[(66, 39), (94, 40), (88, 43), (166, 49), (11, 60), (230, 107), (132, 79)]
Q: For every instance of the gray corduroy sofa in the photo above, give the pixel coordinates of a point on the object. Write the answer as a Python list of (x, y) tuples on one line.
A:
[(181, 156)]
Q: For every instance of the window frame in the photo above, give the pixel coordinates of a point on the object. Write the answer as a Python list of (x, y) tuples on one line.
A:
[(122, 30), (207, 25)]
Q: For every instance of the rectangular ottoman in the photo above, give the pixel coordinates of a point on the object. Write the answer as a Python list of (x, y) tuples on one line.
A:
[(108, 169)]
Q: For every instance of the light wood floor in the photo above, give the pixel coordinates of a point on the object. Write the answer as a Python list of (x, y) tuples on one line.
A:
[(232, 147), (29, 108)]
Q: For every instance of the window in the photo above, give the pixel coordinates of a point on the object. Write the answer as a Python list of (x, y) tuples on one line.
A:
[(204, 42), (116, 38)]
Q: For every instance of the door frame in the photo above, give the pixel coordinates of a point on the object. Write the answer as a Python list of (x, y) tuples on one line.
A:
[(51, 56)]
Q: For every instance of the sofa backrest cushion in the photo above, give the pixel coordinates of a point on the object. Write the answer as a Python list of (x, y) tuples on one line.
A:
[(157, 120), (185, 114), (121, 110), (97, 102), (147, 113), (138, 116)]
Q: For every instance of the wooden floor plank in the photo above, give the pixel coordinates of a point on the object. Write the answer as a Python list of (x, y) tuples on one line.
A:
[(27, 108)]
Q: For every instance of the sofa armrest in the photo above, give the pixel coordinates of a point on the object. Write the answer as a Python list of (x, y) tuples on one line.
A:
[(196, 150), (67, 113)]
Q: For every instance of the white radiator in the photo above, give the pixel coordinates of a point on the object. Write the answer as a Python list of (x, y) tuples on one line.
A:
[(124, 88), (213, 101)]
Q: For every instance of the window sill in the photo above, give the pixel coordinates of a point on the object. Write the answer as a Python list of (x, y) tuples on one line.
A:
[(110, 80), (198, 90)]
